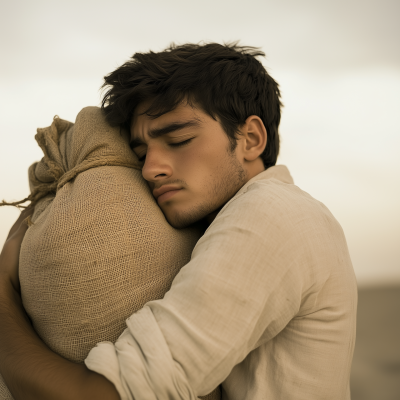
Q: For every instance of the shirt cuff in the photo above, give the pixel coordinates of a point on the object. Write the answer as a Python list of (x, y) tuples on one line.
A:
[(140, 364)]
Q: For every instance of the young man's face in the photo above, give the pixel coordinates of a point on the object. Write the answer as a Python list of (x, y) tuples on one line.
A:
[(188, 163)]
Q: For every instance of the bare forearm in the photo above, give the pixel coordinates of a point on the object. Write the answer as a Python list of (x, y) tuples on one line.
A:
[(31, 370)]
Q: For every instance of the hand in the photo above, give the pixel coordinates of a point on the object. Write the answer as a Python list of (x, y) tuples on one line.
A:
[(9, 257)]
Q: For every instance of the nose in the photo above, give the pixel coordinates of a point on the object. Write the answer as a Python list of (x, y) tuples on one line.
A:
[(157, 165)]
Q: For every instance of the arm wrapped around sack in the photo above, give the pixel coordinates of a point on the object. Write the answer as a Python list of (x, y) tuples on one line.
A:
[(98, 247)]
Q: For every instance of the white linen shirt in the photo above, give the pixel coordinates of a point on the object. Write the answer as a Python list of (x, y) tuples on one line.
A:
[(266, 306)]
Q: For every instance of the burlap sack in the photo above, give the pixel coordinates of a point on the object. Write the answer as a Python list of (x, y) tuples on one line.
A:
[(99, 247)]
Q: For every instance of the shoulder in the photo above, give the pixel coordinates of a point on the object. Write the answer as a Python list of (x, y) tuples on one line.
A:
[(284, 221), (282, 235), (271, 202)]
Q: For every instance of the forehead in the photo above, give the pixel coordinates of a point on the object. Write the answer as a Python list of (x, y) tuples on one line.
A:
[(142, 124)]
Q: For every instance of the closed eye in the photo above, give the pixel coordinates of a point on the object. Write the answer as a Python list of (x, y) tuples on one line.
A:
[(179, 144)]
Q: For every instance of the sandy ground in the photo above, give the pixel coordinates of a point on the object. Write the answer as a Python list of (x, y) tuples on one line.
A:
[(376, 363)]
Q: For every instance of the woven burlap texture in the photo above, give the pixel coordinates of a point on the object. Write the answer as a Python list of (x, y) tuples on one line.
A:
[(99, 247)]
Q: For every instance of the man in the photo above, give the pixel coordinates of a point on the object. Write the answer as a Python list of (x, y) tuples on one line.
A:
[(266, 306)]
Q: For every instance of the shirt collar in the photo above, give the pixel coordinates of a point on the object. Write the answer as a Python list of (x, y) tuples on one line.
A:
[(279, 172)]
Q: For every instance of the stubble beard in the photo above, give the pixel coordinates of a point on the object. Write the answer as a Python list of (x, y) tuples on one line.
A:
[(222, 189)]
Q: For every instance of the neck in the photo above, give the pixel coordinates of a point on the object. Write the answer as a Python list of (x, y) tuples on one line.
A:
[(254, 168)]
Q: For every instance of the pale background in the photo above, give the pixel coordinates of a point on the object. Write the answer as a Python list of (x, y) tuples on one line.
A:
[(337, 62)]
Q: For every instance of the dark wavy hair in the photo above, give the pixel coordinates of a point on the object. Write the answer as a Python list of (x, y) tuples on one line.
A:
[(225, 81)]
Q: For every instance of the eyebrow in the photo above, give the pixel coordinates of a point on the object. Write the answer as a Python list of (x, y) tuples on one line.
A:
[(173, 127)]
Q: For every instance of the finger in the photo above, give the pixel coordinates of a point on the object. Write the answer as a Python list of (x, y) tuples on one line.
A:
[(21, 221), (9, 260), (27, 217), (28, 211)]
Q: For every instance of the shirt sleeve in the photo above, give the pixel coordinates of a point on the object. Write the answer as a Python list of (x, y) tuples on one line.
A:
[(249, 275)]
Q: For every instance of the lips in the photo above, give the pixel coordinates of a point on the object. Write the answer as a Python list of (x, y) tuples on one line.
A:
[(164, 189)]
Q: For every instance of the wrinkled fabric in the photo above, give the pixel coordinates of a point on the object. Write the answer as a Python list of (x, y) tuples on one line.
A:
[(266, 306)]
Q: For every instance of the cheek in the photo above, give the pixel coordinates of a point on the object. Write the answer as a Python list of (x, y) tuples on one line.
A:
[(192, 162), (201, 163)]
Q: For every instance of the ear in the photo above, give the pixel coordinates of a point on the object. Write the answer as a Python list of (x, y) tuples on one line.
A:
[(254, 137)]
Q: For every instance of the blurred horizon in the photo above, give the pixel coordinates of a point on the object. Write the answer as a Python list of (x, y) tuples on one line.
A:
[(337, 63)]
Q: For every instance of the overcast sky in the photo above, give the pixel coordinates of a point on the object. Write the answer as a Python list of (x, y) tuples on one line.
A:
[(337, 62)]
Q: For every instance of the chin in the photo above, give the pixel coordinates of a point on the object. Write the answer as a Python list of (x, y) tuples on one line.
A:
[(183, 219), (179, 222)]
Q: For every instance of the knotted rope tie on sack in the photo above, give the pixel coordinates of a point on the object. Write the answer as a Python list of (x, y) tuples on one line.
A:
[(60, 176), (41, 189)]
